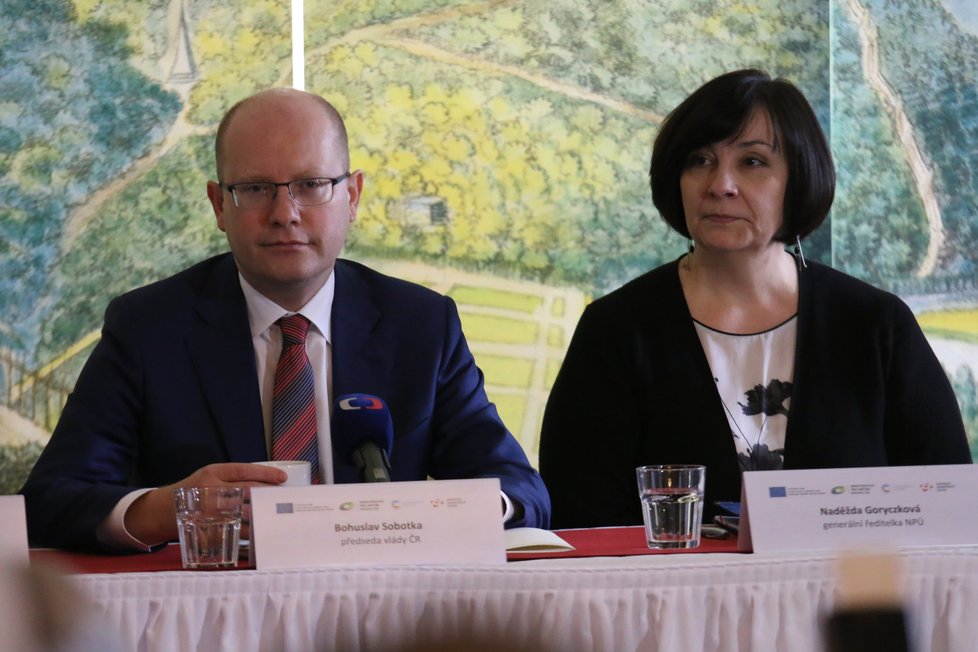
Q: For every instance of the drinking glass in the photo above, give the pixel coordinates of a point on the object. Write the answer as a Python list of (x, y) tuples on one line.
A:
[(209, 525), (672, 504)]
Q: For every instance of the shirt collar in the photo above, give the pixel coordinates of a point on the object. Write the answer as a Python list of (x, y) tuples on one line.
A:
[(263, 312)]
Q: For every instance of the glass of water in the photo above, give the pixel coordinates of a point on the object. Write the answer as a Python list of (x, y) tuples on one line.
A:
[(672, 504), (209, 525)]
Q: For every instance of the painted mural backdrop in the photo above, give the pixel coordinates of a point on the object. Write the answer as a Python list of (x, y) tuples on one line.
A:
[(505, 146)]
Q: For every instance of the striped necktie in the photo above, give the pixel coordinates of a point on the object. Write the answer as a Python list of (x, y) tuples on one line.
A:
[(294, 398)]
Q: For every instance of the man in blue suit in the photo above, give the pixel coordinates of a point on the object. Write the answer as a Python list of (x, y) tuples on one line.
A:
[(178, 392)]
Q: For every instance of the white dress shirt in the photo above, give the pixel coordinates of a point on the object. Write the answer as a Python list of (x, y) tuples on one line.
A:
[(266, 337)]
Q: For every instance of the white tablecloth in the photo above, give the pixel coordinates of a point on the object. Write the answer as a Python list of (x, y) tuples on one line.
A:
[(675, 603)]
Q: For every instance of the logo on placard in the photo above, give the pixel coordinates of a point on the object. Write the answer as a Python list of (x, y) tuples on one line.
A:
[(396, 504), (284, 508), (347, 506), (926, 486), (777, 492), (838, 490), (890, 488), (437, 502)]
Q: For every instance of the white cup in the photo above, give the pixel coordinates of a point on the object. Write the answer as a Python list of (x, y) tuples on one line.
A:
[(300, 472)]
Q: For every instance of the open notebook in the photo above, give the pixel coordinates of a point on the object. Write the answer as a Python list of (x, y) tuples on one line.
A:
[(527, 539)]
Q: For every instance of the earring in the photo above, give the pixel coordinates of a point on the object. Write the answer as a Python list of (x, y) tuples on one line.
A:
[(799, 252), (689, 254)]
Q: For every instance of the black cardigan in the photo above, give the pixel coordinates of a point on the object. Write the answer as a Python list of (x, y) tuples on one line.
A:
[(636, 388)]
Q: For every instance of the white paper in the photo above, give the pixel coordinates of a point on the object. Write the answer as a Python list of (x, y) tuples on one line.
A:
[(531, 539), (818, 509), (428, 522)]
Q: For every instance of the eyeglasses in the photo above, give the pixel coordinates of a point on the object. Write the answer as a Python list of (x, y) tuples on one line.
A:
[(253, 195)]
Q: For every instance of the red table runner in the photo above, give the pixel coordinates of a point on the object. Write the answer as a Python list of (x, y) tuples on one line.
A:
[(619, 542), (597, 542), (165, 559)]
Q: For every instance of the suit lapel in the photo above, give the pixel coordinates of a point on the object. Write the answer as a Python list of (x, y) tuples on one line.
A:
[(224, 356), (356, 351), (356, 348)]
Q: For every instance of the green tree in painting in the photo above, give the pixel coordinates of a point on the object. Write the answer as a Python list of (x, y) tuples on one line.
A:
[(966, 390), (532, 122), (932, 71), (879, 227), (73, 115), (160, 221)]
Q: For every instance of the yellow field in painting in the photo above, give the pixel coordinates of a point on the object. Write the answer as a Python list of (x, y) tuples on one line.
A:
[(488, 297), (508, 371), (489, 328), (518, 332), (951, 324), (518, 335)]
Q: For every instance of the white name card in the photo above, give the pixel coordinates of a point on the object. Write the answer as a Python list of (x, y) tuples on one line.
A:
[(817, 509), (428, 522), (13, 534)]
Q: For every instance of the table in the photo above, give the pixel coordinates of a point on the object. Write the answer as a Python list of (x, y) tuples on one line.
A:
[(722, 602)]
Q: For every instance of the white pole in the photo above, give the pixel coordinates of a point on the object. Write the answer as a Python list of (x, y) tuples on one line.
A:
[(298, 45)]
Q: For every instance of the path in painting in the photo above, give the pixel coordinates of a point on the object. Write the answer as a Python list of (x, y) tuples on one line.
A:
[(872, 70)]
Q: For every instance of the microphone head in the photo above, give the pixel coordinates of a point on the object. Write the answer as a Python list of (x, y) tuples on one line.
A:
[(359, 418)]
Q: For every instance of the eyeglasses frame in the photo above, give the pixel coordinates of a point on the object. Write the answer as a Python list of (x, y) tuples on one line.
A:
[(230, 187)]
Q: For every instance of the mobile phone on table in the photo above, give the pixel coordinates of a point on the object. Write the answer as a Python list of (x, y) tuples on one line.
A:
[(729, 523)]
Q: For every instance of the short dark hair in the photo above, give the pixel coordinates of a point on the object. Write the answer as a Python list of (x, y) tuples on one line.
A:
[(718, 111)]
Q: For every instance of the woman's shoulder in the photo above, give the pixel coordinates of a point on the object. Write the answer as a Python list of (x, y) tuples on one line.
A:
[(843, 292), (651, 288), (638, 311)]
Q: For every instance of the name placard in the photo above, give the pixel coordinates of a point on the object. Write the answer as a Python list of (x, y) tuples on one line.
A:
[(427, 522), (13, 534), (816, 509)]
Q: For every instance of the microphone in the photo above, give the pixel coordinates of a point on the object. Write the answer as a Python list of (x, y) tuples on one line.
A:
[(363, 434)]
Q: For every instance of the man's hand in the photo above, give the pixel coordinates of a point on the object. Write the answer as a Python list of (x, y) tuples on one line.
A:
[(152, 519)]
